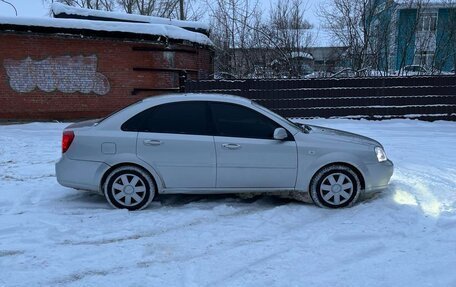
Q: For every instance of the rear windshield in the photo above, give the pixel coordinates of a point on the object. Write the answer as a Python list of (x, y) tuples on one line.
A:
[(115, 112)]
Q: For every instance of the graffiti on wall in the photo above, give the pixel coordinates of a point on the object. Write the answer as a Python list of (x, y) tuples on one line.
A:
[(65, 74)]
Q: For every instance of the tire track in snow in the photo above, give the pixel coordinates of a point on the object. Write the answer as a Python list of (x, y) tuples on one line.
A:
[(145, 235)]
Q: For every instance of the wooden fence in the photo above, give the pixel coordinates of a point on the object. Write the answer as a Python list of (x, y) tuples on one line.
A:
[(427, 98)]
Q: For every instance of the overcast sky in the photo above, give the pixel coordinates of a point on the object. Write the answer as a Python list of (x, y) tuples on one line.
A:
[(36, 8), (28, 8)]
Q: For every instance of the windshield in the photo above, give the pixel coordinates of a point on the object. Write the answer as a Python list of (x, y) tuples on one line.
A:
[(302, 127)]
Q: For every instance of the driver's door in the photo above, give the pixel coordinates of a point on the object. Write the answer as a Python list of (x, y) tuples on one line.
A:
[(247, 155)]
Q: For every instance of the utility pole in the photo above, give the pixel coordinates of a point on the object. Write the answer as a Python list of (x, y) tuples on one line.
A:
[(181, 3)]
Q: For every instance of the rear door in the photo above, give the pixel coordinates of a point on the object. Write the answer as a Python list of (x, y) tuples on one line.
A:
[(247, 154), (176, 139)]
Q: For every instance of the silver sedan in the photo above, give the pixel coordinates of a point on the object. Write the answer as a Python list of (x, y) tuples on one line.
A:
[(207, 143)]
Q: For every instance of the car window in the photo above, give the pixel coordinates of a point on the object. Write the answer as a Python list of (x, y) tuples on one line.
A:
[(233, 120), (190, 117), (117, 111)]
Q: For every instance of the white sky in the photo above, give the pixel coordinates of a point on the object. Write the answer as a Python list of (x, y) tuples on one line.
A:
[(311, 7), (36, 8)]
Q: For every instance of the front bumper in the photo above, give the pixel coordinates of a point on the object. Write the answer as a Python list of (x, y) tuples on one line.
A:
[(378, 175), (80, 174)]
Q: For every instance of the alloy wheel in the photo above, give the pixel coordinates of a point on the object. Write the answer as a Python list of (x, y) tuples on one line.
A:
[(128, 189), (336, 188)]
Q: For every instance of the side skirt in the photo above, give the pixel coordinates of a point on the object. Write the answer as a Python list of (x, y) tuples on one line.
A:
[(225, 190)]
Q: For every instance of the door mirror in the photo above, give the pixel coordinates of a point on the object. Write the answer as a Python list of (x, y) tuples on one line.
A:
[(280, 134)]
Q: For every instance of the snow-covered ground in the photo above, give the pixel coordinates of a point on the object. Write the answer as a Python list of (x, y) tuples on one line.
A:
[(405, 236)]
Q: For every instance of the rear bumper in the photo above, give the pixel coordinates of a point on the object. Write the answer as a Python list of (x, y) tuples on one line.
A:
[(378, 176), (80, 174)]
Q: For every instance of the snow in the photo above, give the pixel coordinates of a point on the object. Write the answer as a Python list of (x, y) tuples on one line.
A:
[(59, 8), (167, 31), (301, 54), (55, 236)]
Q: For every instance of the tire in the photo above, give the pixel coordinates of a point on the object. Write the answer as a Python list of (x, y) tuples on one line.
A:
[(335, 186), (129, 187)]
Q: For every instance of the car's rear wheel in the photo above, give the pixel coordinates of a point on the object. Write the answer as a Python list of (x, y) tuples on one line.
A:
[(129, 187), (335, 186)]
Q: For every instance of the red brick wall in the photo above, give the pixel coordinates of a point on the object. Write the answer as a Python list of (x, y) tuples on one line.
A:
[(115, 60)]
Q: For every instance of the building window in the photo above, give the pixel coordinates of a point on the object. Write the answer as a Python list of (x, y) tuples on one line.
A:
[(424, 58), (427, 22)]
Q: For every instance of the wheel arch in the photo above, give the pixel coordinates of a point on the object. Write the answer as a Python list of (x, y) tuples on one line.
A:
[(155, 177), (349, 165)]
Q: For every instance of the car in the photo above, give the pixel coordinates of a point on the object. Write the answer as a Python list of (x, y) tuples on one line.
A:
[(318, 74), (209, 143), (345, 73)]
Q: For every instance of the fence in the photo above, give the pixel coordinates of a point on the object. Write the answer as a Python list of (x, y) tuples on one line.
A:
[(427, 98)]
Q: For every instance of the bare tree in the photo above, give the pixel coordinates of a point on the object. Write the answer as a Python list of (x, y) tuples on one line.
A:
[(250, 46), (408, 32), (232, 22), (128, 6), (382, 34), (374, 31), (445, 50), (289, 31), (178, 9), (350, 22), (194, 10)]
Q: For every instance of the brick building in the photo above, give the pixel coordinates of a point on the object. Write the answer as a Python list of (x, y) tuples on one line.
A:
[(92, 63)]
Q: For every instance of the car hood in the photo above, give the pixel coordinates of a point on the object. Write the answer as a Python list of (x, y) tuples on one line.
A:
[(343, 136)]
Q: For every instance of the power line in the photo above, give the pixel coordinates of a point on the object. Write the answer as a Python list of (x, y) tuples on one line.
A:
[(4, 1)]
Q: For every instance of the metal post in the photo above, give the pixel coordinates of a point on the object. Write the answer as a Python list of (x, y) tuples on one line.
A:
[(182, 16), (182, 80)]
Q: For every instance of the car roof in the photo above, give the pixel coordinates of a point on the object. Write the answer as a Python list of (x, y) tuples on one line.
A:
[(120, 117), (199, 97)]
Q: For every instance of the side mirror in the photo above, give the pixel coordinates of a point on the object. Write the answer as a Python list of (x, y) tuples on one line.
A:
[(280, 134)]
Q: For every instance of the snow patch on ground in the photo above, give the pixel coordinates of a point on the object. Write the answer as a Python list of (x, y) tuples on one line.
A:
[(406, 236)]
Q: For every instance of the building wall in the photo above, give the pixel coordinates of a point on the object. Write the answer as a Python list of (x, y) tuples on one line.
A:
[(61, 77), (405, 38), (445, 54), (433, 47)]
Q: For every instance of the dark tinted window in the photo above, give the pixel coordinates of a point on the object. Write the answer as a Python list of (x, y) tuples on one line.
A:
[(178, 118), (238, 121)]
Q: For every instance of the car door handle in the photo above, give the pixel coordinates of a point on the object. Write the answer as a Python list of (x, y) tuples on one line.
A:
[(231, 146), (152, 142)]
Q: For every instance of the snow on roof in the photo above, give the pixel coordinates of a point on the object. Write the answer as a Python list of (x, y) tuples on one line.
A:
[(301, 54), (59, 8), (167, 31)]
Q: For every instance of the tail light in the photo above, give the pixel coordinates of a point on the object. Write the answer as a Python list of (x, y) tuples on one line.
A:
[(67, 139)]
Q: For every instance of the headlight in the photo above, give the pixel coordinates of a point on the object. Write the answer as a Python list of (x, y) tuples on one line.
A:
[(381, 155)]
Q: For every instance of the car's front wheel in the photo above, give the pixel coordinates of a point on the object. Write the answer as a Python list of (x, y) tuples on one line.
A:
[(129, 187), (335, 186)]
